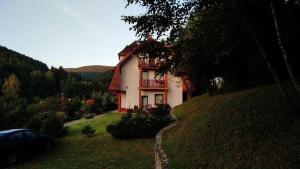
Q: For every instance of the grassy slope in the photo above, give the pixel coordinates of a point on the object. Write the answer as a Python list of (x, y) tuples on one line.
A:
[(99, 152), (248, 129)]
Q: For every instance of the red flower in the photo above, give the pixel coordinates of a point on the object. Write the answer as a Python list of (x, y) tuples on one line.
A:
[(89, 102)]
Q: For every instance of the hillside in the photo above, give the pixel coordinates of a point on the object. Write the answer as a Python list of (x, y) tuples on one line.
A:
[(90, 69), (9, 58), (12, 62), (247, 129)]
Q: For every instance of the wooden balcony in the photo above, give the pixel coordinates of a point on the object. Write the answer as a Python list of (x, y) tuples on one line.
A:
[(148, 64), (153, 84)]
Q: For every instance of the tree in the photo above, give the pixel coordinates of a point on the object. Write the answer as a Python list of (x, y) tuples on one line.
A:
[(11, 86), (198, 33), (283, 48)]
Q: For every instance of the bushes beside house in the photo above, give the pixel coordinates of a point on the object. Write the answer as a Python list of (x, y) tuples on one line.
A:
[(141, 124)]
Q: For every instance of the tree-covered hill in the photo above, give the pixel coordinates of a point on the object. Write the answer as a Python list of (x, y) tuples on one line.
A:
[(10, 57), (22, 66), (92, 72)]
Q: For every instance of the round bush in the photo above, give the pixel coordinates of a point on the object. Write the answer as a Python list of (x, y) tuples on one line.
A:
[(87, 131), (52, 126)]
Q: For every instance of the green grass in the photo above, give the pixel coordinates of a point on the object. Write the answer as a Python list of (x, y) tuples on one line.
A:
[(98, 152), (99, 123), (240, 130)]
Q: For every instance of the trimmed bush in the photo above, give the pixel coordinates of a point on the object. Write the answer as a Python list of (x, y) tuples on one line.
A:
[(89, 116), (34, 123), (141, 125), (52, 125), (87, 131)]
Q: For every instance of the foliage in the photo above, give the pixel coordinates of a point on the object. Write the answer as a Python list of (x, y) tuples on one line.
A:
[(87, 130), (71, 108), (50, 104), (11, 86), (52, 125), (103, 102), (12, 112), (34, 123), (209, 39), (89, 115), (140, 125)]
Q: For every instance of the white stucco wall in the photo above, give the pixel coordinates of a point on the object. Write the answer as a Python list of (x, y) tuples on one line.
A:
[(175, 91), (130, 82), (123, 100)]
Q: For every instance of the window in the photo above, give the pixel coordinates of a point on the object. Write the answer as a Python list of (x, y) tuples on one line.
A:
[(16, 136), (31, 135), (159, 99), (145, 75)]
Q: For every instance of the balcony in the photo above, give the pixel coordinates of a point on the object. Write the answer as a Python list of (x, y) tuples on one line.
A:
[(153, 84), (148, 64)]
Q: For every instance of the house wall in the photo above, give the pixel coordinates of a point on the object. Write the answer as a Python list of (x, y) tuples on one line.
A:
[(174, 91), (123, 100), (130, 82)]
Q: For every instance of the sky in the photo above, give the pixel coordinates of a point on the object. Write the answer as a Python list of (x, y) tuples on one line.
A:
[(68, 33)]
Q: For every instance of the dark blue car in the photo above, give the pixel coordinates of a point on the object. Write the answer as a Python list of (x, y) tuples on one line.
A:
[(16, 144)]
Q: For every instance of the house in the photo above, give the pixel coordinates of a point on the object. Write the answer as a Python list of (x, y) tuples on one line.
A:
[(135, 83)]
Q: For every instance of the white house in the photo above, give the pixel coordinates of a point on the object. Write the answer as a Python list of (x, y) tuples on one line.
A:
[(135, 83)]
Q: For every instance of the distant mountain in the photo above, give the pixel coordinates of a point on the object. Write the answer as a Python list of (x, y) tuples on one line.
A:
[(90, 69)]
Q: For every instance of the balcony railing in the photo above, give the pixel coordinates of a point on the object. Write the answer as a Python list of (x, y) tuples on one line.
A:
[(149, 63), (153, 83)]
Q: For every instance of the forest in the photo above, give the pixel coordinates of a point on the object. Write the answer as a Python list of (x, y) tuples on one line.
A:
[(35, 96)]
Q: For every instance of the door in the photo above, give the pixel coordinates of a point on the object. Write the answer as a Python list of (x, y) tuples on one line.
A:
[(145, 77), (144, 103)]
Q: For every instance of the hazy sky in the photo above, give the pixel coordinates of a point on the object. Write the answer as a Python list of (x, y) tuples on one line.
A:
[(70, 33)]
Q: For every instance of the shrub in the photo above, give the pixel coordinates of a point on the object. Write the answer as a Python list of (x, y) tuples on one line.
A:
[(140, 125), (71, 106), (61, 116), (87, 131), (12, 112), (89, 116), (34, 123), (52, 125)]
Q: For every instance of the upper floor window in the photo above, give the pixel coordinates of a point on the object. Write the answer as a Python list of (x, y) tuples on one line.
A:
[(145, 75)]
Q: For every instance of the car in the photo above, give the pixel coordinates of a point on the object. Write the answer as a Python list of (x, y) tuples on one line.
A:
[(17, 144)]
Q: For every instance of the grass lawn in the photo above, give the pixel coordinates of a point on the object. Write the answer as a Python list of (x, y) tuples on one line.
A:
[(240, 130), (98, 152)]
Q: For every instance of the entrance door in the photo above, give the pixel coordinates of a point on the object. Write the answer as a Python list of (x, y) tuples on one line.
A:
[(144, 103)]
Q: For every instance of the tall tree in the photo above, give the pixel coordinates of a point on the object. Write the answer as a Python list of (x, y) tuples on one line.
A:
[(11, 86), (289, 68)]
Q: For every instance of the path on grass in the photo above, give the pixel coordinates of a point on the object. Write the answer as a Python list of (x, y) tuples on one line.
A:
[(82, 119)]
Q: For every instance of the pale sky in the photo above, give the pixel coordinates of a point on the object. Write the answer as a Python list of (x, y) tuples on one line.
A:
[(70, 33)]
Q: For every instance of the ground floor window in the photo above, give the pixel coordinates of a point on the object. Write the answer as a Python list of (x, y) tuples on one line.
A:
[(159, 99)]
